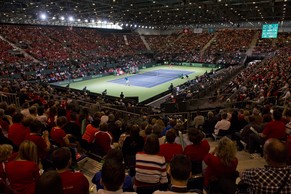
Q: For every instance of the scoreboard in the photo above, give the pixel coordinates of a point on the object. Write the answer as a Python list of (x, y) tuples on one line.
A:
[(270, 30)]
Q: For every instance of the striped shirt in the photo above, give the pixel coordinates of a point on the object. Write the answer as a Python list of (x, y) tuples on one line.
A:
[(150, 169)]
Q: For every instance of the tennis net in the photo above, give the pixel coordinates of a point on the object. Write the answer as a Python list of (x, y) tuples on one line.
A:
[(164, 74)]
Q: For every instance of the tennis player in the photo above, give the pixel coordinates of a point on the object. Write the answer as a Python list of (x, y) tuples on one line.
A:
[(127, 83)]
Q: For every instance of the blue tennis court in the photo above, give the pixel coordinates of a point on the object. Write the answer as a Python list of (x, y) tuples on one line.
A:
[(152, 78)]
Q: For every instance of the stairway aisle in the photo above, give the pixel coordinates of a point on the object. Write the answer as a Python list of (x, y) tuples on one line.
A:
[(208, 44), (145, 42), (253, 43), (20, 50)]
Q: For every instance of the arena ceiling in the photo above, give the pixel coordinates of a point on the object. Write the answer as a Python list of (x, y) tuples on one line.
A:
[(144, 12)]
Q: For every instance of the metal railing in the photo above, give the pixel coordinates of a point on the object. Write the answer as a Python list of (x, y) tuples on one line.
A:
[(124, 114), (9, 98)]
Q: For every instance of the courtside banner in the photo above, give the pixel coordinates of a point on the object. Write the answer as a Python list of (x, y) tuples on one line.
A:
[(197, 30)]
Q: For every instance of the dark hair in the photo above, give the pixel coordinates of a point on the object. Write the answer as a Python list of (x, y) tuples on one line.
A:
[(114, 154), (180, 167), (173, 122), (61, 157), (32, 110), (171, 136), (17, 118), (111, 117), (73, 116), (179, 127), (96, 119), (288, 113), (267, 118), (195, 135), (152, 145), (276, 151), (134, 131), (11, 109), (277, 115), (157, 130), (26, 121), (35, 126), (252, 119), (40, 110), (61, 121), (61, 112), (25, 105), (112, 174), (224, 115), (48, 183), (143, 125), (103, 127), (148, 130)]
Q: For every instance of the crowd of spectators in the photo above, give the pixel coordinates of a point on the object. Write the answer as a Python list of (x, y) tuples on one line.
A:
[(265, 46), (263, 81), (68, 53), (52, 142), (229, 46), (65, 53), (202, 85), (50, 130)]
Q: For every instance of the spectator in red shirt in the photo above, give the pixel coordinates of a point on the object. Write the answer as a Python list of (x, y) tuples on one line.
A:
[(221, 162), (198, 150), (17, 131), (42, 142), (5, 153), (170, 148), (274, 129), (23, 172), (103, 140), (58, 135), (73, 182)]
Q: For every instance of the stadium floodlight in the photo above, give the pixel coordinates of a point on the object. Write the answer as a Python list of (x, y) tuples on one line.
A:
[(62, 18), (135, 25), (126, 24), (53, 18), (93, 21), (71, 19), (86, 20), (43, 16)]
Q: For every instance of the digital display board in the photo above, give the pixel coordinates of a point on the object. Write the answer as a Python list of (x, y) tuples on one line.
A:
[(270, 30)]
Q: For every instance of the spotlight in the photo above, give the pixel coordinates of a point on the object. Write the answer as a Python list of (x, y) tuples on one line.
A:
[(43, 16), (71, 19)]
